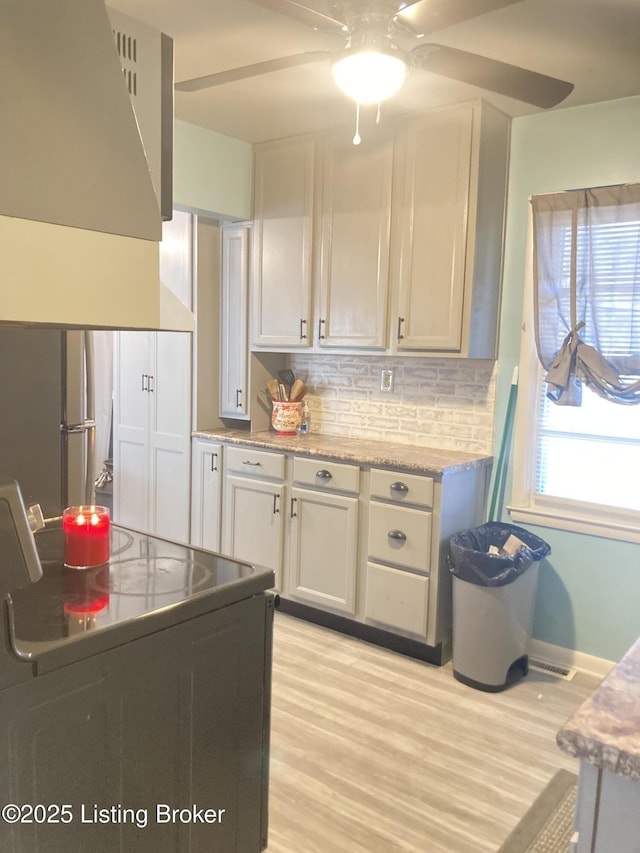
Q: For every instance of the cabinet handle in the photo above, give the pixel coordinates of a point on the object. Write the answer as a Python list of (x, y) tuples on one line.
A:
[(324, 474), (397, 535), (145, 379), (214, 461), (238, 394), (399, 487), (400, 322), (252, 464), (150, 388), (320, 329), (276, 508), (303, 336), (291, 512)]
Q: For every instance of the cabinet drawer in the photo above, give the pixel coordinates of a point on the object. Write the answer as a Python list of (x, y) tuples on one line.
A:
[(403, 488), (257, 462), (400, 535), (396, 598), (329, 475)]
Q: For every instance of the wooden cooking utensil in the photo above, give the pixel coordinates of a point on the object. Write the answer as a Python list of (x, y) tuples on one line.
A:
[(272, 388), (298, 390)]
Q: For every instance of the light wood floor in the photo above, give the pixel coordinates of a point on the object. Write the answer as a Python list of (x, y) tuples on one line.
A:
[(373, 752)]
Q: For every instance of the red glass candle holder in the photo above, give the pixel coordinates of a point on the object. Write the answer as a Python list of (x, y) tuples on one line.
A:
[(86, 536)]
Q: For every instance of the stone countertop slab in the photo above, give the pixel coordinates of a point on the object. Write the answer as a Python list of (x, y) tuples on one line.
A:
[(605, 730), (408, 457)]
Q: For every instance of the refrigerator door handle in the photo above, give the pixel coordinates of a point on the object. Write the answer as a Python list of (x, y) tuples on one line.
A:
[(84, 426)]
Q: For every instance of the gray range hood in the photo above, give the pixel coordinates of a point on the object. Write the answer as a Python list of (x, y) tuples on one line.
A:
[(80, 223)]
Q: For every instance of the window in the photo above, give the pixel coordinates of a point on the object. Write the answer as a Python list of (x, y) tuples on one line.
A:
[(578, 467)]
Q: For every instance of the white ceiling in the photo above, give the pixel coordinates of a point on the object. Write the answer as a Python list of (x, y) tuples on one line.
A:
[(594, 44)]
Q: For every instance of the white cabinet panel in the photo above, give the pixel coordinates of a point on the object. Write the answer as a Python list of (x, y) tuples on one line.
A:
[(206, 477), (356, 222), (401, 487), (259, 463), (234, 379), (151, 432), (400, 535), (253, 522), (131, 483), (397, 599), (449, 240), (321, 473), (323, 549), (433, 244), (170, 388), (282, 243)]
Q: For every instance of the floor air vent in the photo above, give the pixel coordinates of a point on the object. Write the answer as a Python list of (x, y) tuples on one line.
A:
[(563, 672)]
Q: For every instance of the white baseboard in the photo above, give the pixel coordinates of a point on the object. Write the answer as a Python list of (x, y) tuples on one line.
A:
[(570, 658)]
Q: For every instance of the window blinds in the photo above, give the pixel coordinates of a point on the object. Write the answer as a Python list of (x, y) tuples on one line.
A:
[(587, 291)]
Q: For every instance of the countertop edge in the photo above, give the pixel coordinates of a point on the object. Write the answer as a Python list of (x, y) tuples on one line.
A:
[(605, 730), (407, 457)]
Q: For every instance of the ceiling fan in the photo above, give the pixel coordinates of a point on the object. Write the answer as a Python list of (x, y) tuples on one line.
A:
[(372, 65)]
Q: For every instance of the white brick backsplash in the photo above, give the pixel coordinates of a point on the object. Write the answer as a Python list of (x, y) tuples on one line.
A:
[(444, 403)]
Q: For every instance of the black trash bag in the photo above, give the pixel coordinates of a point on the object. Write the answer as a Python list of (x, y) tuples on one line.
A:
[(469, 558)]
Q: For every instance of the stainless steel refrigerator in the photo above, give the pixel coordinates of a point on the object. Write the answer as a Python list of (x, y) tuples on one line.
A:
[(47, 415)]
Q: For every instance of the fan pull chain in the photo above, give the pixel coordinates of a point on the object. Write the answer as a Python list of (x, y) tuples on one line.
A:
[(357, 138)]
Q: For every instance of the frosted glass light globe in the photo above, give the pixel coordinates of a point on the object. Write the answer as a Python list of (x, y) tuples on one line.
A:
[(368, 76)]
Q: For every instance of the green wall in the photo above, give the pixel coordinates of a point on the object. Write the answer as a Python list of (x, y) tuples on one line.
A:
[(212, 173), (589, 589)]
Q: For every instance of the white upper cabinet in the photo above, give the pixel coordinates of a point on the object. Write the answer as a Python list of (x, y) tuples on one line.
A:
[(234, 374), (282, 243), (407, 230), (448, 243), (354, 242)]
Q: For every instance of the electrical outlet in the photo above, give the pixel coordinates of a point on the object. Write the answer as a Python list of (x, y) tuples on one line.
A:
[(386, 380)]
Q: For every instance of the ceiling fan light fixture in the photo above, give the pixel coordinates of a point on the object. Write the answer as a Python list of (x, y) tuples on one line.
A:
[(369, 76)]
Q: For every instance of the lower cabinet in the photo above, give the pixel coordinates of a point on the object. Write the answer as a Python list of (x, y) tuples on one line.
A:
[(323, 549), (206, 477), (368, 544), (253, 501), (399, 551)]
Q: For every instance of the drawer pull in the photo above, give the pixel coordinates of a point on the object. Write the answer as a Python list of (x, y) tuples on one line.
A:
[(397, 535), (324, 474), (252, 464), (399, 487), (291, 511), (276, 501), (214, 461)]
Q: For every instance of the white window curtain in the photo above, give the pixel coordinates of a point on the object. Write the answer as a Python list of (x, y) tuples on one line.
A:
[(587, 292)]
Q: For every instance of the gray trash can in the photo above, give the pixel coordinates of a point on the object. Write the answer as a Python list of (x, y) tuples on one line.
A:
[(493, 601)]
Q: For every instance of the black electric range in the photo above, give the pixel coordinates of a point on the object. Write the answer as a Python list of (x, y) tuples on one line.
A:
[(149, 584)]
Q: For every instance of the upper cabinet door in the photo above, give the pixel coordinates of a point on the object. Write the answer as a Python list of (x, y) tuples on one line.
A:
[(281, 258), (449, 237), (355, 230), (234, 375), (434, 216)]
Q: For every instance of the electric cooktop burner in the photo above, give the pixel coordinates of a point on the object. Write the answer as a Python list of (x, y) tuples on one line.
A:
[(144, 574)]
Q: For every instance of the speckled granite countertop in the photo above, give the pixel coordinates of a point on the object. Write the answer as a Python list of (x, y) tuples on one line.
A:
[(605, 730), (409, 457)]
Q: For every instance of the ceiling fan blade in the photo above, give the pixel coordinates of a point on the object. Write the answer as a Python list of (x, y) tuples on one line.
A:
[(293, 9), (428, 16), (499, 77), (244, 71)]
